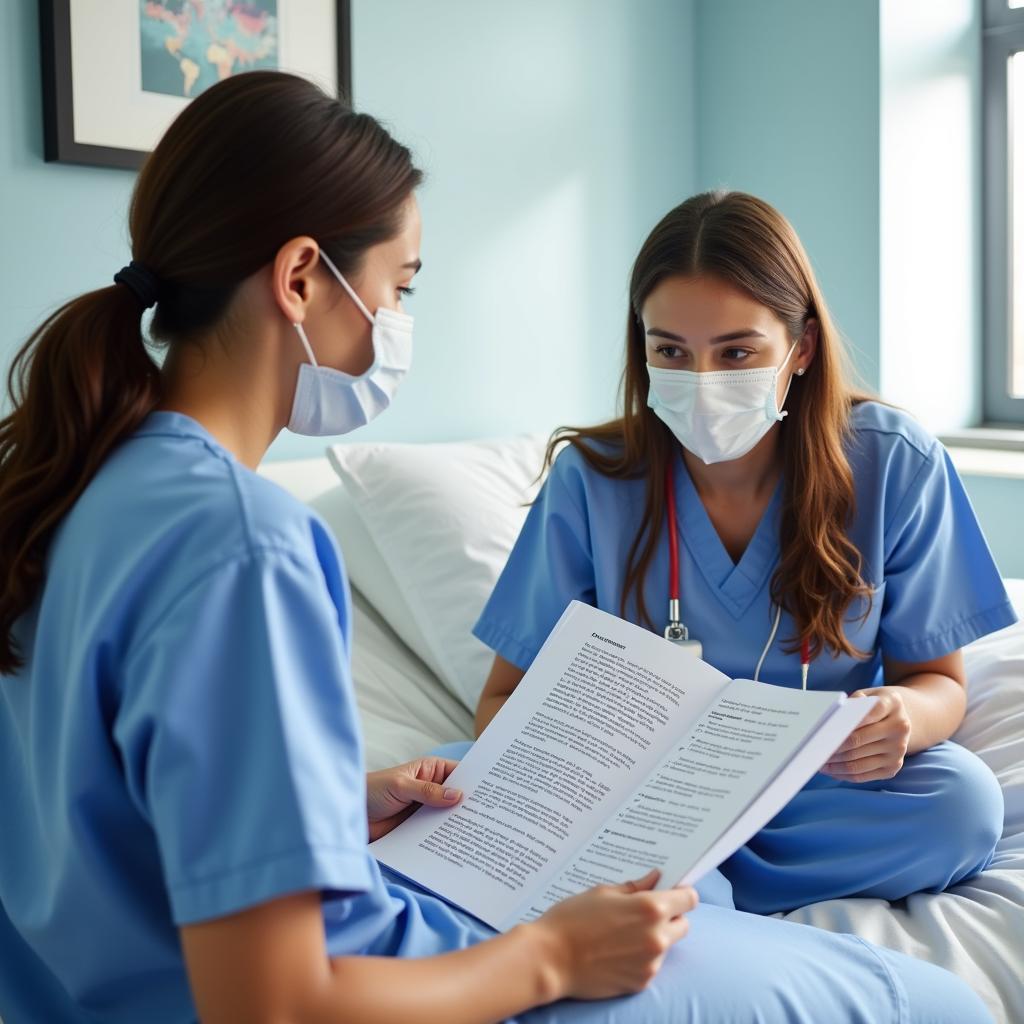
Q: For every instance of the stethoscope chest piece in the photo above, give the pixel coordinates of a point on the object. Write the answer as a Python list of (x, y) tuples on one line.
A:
[(676, 633)]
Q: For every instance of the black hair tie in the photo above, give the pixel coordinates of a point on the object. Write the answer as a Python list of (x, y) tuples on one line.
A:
[(138, 278)]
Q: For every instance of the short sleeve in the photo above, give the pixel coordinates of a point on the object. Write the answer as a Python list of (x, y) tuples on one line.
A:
[(942, 587), (240, 739), (550, 565)]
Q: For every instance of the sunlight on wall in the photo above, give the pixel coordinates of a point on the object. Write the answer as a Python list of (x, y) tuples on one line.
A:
[(930, 218)]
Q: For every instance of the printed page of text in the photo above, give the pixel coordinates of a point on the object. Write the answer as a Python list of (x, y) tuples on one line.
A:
[(600, 706), (731, 753)]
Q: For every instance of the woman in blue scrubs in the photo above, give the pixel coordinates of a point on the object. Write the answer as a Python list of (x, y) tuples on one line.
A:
[(751, 502), (183, 806)]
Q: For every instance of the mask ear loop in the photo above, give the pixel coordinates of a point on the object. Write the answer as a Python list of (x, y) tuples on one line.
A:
[(355, 298), (351, 291), (783, 413), (305, 343)]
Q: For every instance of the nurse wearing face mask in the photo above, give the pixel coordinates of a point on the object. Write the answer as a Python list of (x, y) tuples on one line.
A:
[(761, 512), (183, 806)]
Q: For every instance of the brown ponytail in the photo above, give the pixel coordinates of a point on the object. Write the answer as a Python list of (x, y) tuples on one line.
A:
[(254, 161)]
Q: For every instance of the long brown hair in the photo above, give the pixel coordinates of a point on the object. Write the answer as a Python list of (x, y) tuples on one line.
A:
[(744, 241), (254, 161)]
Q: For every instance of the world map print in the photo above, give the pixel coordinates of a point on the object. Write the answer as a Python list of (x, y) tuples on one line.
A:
[(188, 45)]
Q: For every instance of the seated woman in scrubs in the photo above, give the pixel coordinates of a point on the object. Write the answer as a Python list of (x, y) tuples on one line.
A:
[(183, 806), (820, 538)]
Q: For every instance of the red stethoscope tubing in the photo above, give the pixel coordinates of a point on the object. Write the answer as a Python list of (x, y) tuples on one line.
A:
[(673, 561)]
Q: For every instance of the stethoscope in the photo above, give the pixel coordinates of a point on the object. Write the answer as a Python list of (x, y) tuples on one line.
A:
[(676, 630)]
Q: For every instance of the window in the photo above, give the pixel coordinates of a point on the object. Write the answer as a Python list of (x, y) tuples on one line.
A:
[(1003, 105)]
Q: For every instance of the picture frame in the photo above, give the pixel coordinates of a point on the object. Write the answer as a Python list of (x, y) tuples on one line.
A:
[(115, 73)]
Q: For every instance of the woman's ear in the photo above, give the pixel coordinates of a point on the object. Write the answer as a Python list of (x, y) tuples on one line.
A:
[(292, 277), (808, 346)]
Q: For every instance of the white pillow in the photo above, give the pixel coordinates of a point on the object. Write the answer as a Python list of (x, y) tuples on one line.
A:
[(367, 571), (315, 482), (443, 518)]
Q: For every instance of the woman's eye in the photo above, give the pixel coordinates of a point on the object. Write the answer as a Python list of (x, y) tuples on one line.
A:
[(736, 355), (670, 351), (406, 291)]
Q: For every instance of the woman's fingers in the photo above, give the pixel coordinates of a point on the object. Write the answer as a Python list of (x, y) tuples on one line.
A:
[(881, 766), (648, 881), (676, 929), (678, 901), (850, 757), (410, 789), (436, 769), (896, 728), (874, 776)]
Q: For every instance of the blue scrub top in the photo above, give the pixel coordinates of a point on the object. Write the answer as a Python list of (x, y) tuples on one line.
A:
[(936, 586), (183, 741)]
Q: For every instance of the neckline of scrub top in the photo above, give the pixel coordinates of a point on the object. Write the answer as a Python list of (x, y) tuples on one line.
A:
[(735, 583), (177, 424)]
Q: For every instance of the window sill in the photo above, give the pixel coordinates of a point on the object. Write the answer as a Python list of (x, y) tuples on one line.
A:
[(991, 462), (993, 451), (992, 438)]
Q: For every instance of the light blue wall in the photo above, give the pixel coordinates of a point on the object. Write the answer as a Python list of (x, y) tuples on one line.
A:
[(555, 134), (553, 140), (999, 503), (788, 100), (62, 228), (931, 161)]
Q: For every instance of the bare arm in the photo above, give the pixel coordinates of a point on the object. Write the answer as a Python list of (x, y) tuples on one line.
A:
[(504, 678), (921, 704), (269, 965)]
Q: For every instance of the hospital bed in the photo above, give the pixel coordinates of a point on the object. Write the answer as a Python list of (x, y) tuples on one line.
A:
[(425, 530)]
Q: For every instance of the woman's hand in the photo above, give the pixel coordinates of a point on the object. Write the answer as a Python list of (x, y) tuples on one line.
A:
[(392, 794), (611, 940), (877, 747)]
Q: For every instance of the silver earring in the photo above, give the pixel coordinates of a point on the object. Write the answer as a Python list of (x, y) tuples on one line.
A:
[(800, 371)]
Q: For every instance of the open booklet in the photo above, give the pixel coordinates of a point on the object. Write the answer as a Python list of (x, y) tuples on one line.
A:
[(618, 752)]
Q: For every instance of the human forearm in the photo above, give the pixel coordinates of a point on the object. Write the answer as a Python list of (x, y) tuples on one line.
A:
[(486, 982), (921, 704), (487, 709), (501, 683), (935, 704), (268, 964)]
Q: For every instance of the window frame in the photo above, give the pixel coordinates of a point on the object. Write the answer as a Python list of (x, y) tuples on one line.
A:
[(1002, 36)]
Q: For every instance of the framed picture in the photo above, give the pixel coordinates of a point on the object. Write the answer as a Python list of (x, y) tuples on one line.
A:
[(116, 72)]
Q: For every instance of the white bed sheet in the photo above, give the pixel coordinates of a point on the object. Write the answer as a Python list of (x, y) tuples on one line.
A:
[(975, 929)]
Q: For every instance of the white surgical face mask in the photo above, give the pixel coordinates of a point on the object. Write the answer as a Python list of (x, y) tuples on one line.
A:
[(328, 401), (719, 415)]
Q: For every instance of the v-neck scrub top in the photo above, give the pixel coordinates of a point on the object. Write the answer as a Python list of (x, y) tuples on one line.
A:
[(935, 588), (935, 584)]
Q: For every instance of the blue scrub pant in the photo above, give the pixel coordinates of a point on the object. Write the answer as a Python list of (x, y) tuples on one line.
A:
[(932, 825), (737, 968), (741, 967)]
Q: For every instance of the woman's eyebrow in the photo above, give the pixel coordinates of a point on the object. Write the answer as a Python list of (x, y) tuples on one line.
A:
[(415, 266), (743, 332)]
